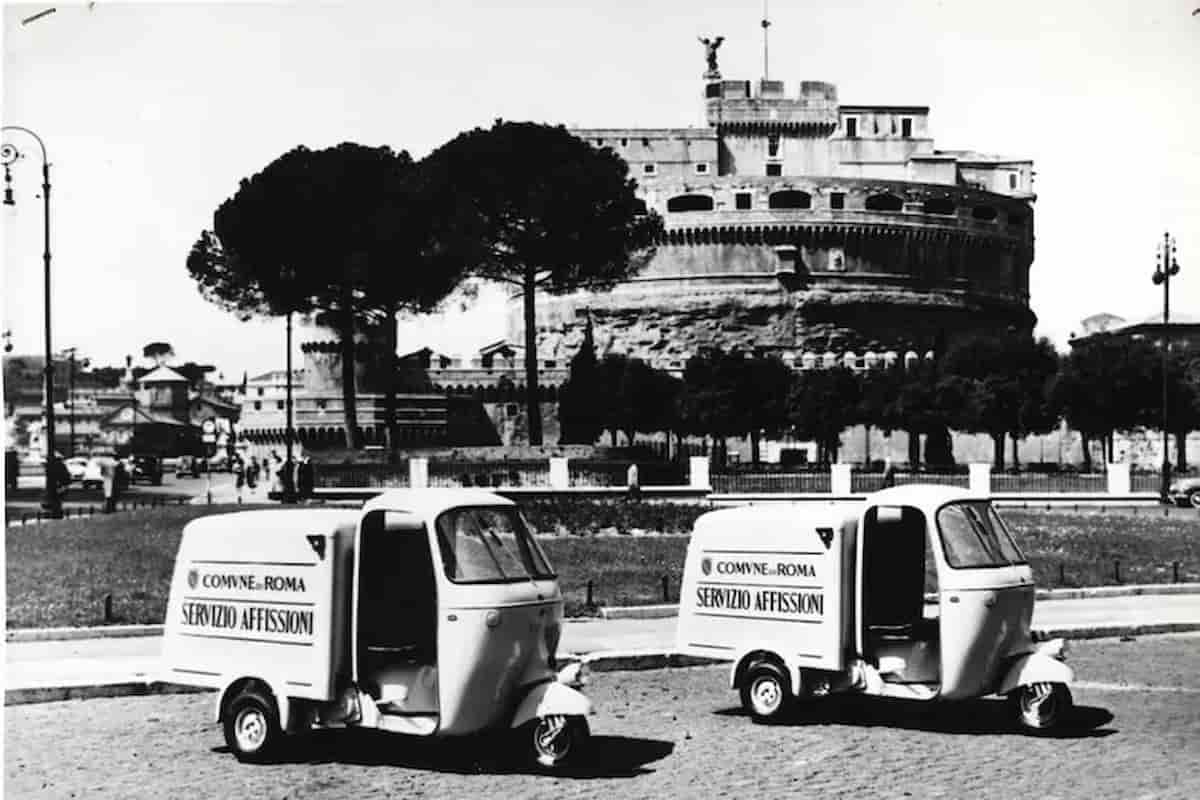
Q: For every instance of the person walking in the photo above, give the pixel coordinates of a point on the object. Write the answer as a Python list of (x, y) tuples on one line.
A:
[(239, 476), (108, 478), (304, 478)]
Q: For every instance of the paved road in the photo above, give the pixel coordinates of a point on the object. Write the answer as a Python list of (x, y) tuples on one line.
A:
[(665, 733)]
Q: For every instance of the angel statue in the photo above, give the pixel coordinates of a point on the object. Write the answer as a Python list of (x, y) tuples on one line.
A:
[(710, 54)]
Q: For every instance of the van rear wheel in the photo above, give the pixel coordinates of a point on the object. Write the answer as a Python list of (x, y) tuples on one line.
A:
[(765, 691), (252, 726)]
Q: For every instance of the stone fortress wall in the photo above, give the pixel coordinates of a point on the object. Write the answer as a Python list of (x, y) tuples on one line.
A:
[(806, 229)]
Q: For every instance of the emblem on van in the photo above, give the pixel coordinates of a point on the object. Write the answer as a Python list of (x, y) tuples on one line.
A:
[(317, 543), (193, 578), (706, 565), (826, 535)]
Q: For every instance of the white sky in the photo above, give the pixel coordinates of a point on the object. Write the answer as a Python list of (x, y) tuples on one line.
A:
[(152, 112)]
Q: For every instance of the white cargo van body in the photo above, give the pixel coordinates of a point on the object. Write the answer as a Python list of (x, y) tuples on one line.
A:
[(262, 593), (765, 578)]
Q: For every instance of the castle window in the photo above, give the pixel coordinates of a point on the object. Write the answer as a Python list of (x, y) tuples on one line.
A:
[(645, 142), (985, 213), (773, 145), (511, 409), (599, 142), (837, 200), (624, 143), (702, 168), (790, 199), (884, 202), (743, 201), (1012, 180), (906, 128), (939, 205), (851, 127), (321, 405), (690, 202), (649, 169), (258, 405), (774, 170), (279, 405), (550, 364), (260, 391)]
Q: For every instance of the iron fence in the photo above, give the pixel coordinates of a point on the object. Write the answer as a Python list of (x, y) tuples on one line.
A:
[(755, 483)]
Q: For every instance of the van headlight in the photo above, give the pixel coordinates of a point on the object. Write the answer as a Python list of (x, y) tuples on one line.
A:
[(575, 674)]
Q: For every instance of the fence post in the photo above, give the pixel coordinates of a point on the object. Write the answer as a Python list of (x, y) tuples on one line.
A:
[(560, 473), (981, 479), (1174, 572), (108, 614), (839, 479), (418, 472), (1118, 479), (666, 583), (698, 473), (590, 599)]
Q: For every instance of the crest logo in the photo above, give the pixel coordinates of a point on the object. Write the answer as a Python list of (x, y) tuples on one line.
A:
[(826, 535), (193, 578), (706, 565)]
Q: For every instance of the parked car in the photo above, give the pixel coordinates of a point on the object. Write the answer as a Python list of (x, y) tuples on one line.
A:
[(145, 468), (93, 472), (187, 466), (1185, 491), (77, 467)]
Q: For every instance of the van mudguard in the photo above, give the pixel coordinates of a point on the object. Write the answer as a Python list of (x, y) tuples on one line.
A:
[(551, 698), (1034, 668), (748, 655), (282, 704)]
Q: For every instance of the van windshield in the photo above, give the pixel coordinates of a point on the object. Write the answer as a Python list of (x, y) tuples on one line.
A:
[(489, 545), (973, 535)]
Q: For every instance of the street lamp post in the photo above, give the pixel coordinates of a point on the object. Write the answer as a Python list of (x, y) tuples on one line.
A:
[(289, 487), (52, 503), (1166, 266)]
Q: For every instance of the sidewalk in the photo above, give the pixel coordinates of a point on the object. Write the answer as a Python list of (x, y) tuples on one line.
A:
[(108, 666)]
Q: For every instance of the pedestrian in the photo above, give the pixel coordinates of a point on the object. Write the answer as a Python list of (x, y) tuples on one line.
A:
[(287, 481), (252, 470), (304, 477), (239, 476), (108, 478), (631, 480), (889, 474), (12, 469)]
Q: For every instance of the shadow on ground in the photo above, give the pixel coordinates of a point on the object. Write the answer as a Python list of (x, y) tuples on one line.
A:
[(981, 716), (603, 757)]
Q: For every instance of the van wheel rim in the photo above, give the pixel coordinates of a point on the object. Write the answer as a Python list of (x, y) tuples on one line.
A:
[(1038, 704), (766, 695), (551, 740), (250, 729)]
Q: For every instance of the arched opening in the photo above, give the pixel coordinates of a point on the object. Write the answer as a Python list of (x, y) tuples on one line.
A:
[(690, 202), (884, 202), (985, 213), (790, 198)]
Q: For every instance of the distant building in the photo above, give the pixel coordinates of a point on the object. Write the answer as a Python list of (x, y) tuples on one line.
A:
[(1182, 331)]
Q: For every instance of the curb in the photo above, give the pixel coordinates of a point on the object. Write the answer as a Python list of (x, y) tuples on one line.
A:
[(603, 661), (71, 634)]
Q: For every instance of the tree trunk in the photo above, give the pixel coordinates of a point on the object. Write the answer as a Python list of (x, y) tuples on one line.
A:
[(349, 396), (914, 450), (1181, 451), (533, 408), (998, 452), (389, 387), (1087, 451), (1016, 456), (754, 437)]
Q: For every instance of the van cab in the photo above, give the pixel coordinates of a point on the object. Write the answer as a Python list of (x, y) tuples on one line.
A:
[(428, 612), (811, 600)]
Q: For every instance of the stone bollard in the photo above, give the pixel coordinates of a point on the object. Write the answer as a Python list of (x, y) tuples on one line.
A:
[(981, 479), (560, 473), (418, 472), (698, 473), (1118, 479), (840, 483)]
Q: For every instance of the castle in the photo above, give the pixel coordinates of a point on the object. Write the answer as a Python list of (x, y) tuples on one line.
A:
[(817, 232)]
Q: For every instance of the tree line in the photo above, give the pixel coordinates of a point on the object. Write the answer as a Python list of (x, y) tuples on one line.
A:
[(1007, 387)]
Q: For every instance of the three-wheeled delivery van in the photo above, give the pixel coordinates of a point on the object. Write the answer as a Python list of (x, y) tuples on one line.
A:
[(429, 612), (809, 600)]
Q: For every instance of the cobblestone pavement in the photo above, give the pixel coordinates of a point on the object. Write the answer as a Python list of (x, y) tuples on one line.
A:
[(1136, 734)]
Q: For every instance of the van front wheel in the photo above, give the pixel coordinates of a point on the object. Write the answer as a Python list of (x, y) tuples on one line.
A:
[(765, 691), (252, 726), (1041, 706), (556, 740)]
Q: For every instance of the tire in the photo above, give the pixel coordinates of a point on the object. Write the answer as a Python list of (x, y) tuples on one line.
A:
[(765, 691), (555, 741), (252, 726), (1194, 499), (1040, 707)]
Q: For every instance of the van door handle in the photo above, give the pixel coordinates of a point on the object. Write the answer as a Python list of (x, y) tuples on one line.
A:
[(953, 598)]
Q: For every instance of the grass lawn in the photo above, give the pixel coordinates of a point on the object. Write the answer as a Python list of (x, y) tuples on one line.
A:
[(59, 572)]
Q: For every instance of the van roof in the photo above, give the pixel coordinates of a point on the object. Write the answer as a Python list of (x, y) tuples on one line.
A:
[(428, 503), (927, 496)]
